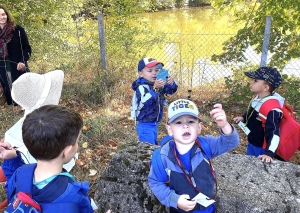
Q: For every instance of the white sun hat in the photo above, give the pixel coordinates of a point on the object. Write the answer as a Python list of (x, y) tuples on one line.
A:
[(33, 90)]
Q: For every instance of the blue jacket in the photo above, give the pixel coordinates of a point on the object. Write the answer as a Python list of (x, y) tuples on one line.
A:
[(152, 110), (60, 190), (169, 195)]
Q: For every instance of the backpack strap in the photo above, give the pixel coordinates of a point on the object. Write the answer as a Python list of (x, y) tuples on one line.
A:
[(60, 207), (158, 167), (25, 173), (266, 107), (165, 140), (205, 147)]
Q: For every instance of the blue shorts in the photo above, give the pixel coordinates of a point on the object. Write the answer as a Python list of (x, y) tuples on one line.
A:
[(147, 132), (254, 150)]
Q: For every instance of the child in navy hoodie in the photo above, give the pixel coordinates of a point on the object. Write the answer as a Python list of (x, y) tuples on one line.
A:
[(150, 95), (51, 134)]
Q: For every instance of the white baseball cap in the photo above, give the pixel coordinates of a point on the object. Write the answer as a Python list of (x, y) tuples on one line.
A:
[(182, 107)]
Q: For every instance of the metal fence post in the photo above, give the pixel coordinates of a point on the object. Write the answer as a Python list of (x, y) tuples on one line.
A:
[(264, 53), (102, 40)]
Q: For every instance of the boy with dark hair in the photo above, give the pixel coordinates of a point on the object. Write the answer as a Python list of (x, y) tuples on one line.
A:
[(51, 134), (150, 95), (185, 165), (263, 83)]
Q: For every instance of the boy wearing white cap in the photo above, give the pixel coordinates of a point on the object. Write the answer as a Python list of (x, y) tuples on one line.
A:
[(150, 95), (185, 164)]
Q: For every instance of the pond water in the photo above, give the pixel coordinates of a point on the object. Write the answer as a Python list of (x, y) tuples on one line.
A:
[(192, 36), (191, 20)]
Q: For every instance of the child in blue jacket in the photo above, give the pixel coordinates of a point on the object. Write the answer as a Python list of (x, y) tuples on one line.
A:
[(150, 95), (51, 134), (185, 166)]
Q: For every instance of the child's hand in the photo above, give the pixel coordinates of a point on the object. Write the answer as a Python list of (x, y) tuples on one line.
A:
[(185, 204), (159, 83), (238, 119), (170, 80), (7, 151), (266, 158), (219, 116)]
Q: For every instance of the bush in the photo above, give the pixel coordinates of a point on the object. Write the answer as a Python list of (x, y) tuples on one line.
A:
[(197, 3)]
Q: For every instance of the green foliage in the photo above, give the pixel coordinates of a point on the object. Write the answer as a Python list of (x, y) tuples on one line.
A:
[(179, 3), (162, 4), (285, 29), (238, 85), (197, 3), (89, 88), (290, 90)]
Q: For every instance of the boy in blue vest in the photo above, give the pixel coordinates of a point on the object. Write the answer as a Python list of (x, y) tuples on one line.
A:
[(51, 134), (185, 164), (150, 92), (263, 83)]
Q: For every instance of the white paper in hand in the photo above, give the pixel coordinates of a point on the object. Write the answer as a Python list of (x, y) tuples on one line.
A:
[(202, 200)]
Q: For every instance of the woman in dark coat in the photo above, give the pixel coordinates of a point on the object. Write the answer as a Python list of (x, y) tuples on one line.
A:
[(15, 51)]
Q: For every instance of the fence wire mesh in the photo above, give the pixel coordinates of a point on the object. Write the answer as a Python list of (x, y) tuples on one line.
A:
[(74, 47)]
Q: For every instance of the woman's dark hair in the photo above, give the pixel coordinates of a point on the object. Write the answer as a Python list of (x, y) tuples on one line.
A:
[(10, 19), (48, 130)]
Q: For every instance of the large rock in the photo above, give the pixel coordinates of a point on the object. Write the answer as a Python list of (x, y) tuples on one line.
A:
[(245, 184)]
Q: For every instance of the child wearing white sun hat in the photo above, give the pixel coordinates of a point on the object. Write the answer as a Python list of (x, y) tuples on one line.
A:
[(31, 91)]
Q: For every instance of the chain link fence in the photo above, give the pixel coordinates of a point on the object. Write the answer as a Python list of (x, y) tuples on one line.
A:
[(74, 47)]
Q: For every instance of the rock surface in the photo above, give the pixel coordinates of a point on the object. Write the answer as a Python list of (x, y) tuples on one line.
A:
[(245, 184)]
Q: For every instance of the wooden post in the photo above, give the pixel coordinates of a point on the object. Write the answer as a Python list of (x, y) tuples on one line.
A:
[(101, 32), (264, 52)]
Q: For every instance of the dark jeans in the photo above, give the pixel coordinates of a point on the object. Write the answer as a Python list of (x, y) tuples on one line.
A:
[(4, 67)]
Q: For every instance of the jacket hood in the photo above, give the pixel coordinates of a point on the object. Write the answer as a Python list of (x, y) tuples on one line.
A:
[(256, 103), (139, 82)]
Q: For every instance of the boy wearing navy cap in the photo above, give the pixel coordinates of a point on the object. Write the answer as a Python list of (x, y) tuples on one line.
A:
[(185, 165), (150, 97), (263, 83)]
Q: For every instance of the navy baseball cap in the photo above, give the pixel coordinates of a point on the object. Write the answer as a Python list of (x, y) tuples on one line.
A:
[(268, 74), (147, 62)]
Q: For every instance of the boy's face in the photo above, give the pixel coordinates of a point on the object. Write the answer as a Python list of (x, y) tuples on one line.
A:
[(185, 129), (149, 73), (258, 86)]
